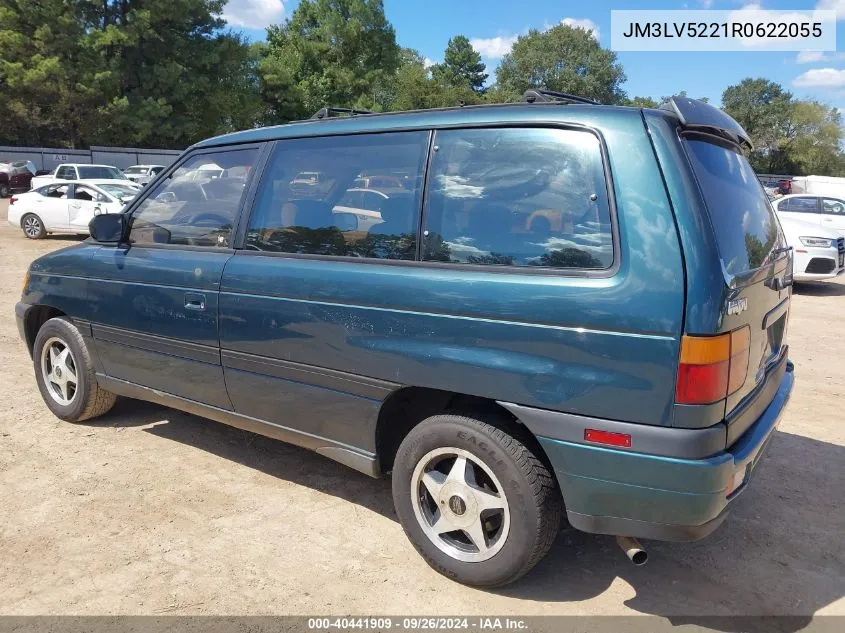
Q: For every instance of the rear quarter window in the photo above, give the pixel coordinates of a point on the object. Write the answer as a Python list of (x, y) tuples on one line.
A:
[(518, 197), (740, 212)]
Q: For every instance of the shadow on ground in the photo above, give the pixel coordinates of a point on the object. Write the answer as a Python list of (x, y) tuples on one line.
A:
[(779, 552), (819, 289)]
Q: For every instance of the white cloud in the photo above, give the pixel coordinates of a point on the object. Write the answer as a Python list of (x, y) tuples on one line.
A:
[(493, 47), (498, 47), (253, 14), (809, 57), (820, 78), (586, 24), (835, 5), (428, 62)]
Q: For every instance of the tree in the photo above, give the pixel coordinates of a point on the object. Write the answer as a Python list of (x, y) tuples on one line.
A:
[(125, 72), (762, 108), (812, 142), (565, 59), (329, 53), (461, 67), (641, 102), (789, 136), (46, 77)]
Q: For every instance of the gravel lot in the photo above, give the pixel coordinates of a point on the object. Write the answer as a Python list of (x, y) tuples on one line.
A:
[(152, 511)]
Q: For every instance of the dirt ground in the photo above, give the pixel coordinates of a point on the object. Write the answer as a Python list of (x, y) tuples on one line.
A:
[(152, 511)]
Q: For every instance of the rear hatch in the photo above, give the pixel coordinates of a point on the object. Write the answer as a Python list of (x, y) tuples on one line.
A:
[(757, 267)]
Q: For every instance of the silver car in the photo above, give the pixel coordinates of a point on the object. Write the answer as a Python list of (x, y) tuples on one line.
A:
[(142, 174)]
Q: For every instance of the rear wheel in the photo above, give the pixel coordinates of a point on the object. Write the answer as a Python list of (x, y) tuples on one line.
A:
[(33, 227), (4, 191), (476, 502), (65, 374)]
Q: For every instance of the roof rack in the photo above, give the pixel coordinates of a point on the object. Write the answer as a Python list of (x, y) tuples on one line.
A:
[(327, 113), (536, 95)]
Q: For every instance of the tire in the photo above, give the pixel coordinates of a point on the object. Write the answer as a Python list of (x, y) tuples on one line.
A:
[(33, 227), (76, 401), (4, 191), (502, 470)]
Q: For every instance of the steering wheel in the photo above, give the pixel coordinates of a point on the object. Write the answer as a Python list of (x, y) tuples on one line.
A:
[(208, 218)]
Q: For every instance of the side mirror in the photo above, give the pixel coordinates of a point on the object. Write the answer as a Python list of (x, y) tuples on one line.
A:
[(108, 228)]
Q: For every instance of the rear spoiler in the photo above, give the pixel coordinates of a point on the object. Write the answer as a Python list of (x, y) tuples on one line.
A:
[(697, 116)]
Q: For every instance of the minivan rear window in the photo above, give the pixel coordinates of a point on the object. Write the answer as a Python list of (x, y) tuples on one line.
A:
[(742, 217)]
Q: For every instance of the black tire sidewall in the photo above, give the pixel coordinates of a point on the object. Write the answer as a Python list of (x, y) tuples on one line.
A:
[(67, 332), (4, 191), (460, 432), (40, 223)]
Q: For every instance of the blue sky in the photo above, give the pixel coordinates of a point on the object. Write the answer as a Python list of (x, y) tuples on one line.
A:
[(492, 25)]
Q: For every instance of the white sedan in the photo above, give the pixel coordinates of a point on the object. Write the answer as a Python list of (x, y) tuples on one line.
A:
[(818, 252), (67, 207)]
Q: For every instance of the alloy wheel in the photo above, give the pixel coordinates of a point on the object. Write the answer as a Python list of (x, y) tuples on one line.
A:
[(58, 368), (460, 504)]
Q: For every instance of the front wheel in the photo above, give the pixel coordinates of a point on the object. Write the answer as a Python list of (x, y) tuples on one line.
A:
[(476, 502), (65, 374)]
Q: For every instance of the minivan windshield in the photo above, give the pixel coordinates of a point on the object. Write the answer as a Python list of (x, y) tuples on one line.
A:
[(745, 224)]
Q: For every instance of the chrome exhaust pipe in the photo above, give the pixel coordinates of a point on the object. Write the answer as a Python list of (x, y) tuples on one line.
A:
[(633, 550)]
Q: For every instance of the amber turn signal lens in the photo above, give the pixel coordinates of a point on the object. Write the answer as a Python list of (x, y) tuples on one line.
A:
[(740, 347), (712, 367)]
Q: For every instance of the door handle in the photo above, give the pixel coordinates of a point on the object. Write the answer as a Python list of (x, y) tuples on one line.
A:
[(194, 302), (828, 219)]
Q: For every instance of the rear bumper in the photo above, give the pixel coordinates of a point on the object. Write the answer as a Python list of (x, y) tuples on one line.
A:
[(611, 491)]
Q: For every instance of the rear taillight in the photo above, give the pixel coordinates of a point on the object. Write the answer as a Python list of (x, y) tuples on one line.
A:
[(12, 200), (712, 367)]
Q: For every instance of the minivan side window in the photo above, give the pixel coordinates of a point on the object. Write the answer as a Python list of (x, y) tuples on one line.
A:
[(518, 197), (311, 202), (197, 205)]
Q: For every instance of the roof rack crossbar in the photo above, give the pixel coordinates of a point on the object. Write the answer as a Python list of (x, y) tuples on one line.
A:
[(537, 95), (327, 113)]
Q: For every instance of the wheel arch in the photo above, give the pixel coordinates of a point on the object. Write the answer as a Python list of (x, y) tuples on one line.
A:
[(35, 318), (406, 407)]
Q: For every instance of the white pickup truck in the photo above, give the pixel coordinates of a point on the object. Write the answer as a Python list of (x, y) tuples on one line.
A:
[(69, 172)]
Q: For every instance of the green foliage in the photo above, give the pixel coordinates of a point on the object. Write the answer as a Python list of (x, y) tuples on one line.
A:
[(565, 59), (129, 72), (790, 136), (330, 52), (641, 102), (462, 66)]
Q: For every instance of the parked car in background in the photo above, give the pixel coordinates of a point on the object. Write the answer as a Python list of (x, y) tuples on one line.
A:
[(202, 174), (380, 182), (823, 211), (818, 252), (67, 207), (504, 369), (16, 176), (366, 205), (142, 174), (70, 172)]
